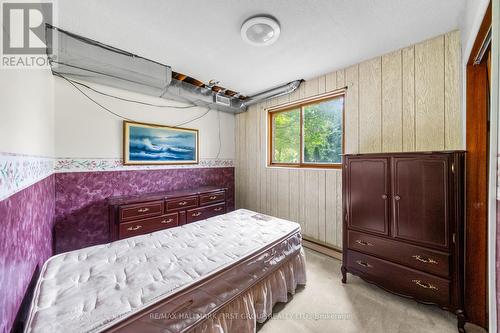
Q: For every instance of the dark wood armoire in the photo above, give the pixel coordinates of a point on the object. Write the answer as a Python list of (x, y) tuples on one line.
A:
[(404, 224)]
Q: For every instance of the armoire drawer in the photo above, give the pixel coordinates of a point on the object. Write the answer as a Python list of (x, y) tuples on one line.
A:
[(421, 258), (402, 280), (145, 226), (205, 212)]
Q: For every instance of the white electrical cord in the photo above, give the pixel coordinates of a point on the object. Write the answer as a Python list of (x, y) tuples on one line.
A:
[(76, 83)]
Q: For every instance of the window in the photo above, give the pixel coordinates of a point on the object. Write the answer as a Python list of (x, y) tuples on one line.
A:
[(308, 133)]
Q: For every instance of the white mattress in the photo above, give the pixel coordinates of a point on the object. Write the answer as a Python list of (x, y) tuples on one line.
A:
[(90, 289)]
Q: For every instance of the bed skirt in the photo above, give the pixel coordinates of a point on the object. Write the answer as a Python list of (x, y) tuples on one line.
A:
[(255, 306)]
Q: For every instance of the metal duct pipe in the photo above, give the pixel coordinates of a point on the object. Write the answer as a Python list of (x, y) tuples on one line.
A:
[(185, 92), (272, 93)]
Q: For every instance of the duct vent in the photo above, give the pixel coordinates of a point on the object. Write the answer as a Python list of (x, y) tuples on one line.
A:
[(219, 99)]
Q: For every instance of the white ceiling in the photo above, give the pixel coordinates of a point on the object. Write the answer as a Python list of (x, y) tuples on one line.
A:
[(202, 38)]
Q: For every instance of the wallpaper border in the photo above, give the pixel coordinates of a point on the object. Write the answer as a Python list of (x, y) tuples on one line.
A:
[(18, 171), (92, 165)]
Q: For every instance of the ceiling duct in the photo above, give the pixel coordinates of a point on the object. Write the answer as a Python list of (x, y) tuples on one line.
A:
[(82, 58), (77, 57), (273, 93)]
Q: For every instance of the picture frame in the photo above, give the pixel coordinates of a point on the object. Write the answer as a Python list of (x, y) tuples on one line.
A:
[(153, 144)]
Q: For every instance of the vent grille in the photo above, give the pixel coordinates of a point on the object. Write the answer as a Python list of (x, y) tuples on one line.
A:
[(219, 99)]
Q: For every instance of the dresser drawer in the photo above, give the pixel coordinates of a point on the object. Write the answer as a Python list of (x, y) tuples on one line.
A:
[(182, 203), (207, 199), (400, 279), (140, 211), (145, 226), (202, 213), (421, 258)]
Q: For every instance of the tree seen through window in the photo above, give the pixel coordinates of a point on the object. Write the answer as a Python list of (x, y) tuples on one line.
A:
[(321, 138)]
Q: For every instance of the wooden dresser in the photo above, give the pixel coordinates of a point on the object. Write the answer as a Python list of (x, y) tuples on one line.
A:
[(404, 225), (141, 214)]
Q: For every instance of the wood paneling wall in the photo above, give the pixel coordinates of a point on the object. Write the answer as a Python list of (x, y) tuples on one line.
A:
[(407, 100)]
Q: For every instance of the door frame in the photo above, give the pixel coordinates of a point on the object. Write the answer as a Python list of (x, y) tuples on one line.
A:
[(478, 146), (494, 207)]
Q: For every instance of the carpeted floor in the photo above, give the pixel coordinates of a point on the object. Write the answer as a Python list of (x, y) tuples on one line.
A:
[(327, 305)]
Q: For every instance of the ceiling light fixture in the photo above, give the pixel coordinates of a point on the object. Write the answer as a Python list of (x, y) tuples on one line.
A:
[(260, 31)]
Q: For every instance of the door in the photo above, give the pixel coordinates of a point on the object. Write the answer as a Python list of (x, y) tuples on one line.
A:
[(479, 79), (420, 199), (367, 194)]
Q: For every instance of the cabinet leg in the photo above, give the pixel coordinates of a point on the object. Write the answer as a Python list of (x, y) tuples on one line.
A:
[(460, 321), (344, 274)]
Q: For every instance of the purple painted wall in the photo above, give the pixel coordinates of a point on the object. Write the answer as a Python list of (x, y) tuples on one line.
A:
[(27, 220), (81, 210)]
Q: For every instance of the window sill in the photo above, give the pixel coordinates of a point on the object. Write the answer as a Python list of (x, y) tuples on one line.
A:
[(305, 167)]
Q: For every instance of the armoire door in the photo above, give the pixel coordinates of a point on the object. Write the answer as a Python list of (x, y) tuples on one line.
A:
[(367, 196), (420, 199)]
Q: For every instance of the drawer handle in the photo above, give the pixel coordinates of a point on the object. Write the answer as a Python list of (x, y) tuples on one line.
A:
[(143, 210), (196, 214), (183, 203), (397, 197), (213, 197), (167, 221), (364, 264), (218, 209), (425, 285), (137, 227), (424, 260), (360, 242)]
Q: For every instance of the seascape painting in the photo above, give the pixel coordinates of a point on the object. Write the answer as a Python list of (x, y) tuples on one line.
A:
[(156, 144)]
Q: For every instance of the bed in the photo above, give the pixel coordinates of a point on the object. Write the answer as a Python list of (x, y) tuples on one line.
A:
[(222, 274)]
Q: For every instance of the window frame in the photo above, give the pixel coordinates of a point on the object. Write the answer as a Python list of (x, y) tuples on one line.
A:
[(301, 104)]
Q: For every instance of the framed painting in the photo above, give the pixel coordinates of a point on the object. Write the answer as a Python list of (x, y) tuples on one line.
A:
[(150, 144)]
